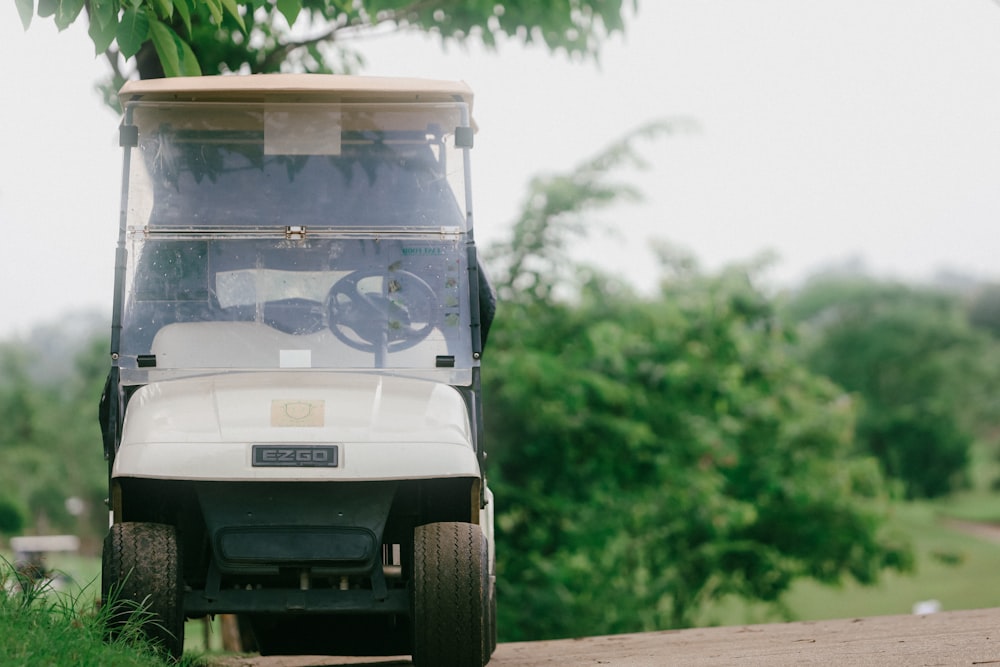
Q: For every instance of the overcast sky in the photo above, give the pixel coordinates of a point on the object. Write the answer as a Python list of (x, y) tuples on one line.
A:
[(829, 130)]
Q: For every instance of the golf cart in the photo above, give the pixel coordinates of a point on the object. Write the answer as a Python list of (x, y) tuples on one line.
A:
[(292, 418)]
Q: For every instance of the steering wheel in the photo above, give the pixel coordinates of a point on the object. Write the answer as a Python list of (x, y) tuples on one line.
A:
[(295, 316), (372, 310)]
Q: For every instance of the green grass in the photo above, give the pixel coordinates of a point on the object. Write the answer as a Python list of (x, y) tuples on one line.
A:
[(83, 573), (43, 626), (956, 569), (971, 506)]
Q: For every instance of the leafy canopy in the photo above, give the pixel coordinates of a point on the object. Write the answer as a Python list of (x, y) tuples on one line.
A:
[(191, 37)]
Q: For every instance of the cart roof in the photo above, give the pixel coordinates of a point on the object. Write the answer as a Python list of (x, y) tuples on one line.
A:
[(295, 88)]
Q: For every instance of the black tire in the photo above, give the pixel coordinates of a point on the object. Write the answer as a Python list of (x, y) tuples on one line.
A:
[(141, 569), (450, 596)]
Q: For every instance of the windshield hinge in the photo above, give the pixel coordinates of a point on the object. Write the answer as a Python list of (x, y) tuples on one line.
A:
[(128, 135), (295, 232)]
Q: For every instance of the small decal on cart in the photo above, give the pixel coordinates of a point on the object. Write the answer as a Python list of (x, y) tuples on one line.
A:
[(297, 412)]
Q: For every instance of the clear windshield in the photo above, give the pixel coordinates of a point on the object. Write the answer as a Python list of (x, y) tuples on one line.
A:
[(346, 166), (296, 237)]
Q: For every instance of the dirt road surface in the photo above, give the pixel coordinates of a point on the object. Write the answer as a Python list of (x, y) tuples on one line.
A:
[(947, 638)]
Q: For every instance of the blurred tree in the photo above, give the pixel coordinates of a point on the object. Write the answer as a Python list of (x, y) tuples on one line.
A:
[(189, 37), (17, 400), (918, 366), (49, 432), (984, 310), (654, 453)]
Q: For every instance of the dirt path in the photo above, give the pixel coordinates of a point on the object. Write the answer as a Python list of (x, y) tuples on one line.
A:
[(989, 532), (948, 638)]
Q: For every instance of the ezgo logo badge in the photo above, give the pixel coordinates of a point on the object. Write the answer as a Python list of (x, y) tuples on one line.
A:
[(295, 456)]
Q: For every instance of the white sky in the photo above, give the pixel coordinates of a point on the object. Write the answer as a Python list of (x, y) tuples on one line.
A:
[(829, 130)]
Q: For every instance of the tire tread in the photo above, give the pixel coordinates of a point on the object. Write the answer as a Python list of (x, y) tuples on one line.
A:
[(141, 569), (449, 620)]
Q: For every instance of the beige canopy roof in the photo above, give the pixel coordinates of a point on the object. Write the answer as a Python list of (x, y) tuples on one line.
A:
[(295, 88)]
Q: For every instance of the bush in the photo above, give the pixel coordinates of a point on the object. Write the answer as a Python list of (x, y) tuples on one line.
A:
[(11, 517), (925, 450)]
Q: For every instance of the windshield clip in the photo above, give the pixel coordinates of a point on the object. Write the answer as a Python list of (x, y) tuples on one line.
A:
[(128, 135), (464, 136), (295, 232)]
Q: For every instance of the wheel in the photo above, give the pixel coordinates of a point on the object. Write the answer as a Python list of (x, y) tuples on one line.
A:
[(450, 596), (141, 570), (370, 311)]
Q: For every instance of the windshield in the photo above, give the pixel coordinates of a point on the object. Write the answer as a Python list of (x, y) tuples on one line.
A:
[(356, 166), (329, 237)]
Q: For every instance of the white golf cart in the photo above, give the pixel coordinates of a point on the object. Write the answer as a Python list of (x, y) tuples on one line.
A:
[(292, 418)]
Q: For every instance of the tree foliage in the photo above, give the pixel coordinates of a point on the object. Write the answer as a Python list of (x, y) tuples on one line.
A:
[(918, 367), (49, 438), (984, 310), (654, 453), (191, 37)]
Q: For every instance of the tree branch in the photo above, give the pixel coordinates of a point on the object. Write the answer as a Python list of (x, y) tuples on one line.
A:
[(359, 23)]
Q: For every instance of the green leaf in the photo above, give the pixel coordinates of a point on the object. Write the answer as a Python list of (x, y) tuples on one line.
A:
[(102, 34), (67, 13), (215, 8), (133, 30), (189, 62), (175, 54), (164, 8), (166, 47), (25, 9), (290, 9), (104, 12), (48, 7), (234, 11), (184, 10)]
